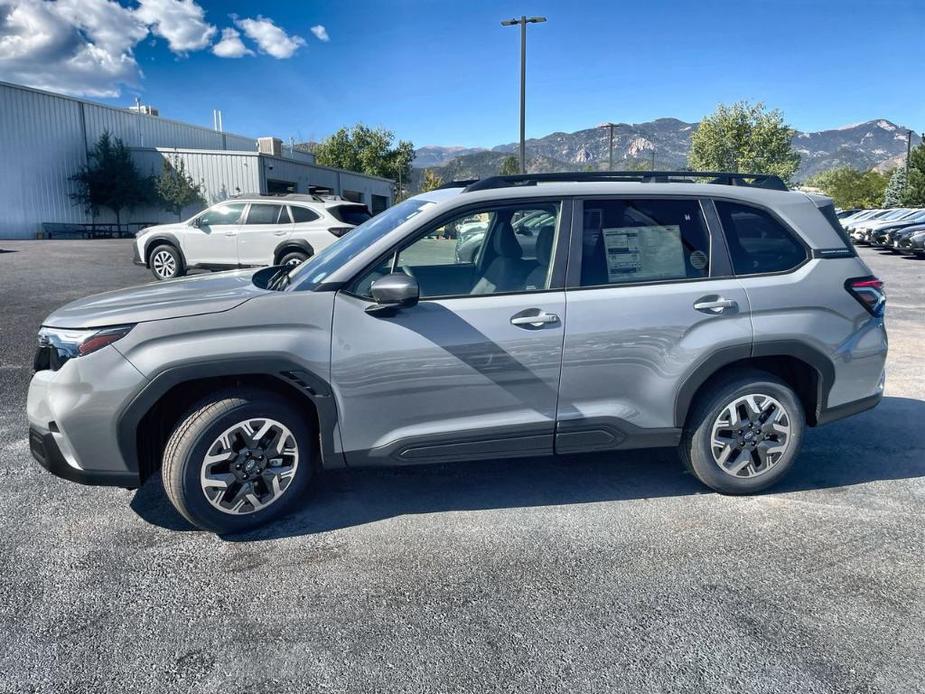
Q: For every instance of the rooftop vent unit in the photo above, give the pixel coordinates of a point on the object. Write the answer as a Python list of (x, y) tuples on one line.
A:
[(272, 146)]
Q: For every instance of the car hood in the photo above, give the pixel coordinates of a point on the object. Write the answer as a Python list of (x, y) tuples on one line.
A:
[(189, 296)]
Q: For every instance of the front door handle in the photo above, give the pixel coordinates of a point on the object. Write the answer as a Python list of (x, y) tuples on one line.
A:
[(231, 233), (715, 304), (534, 320)]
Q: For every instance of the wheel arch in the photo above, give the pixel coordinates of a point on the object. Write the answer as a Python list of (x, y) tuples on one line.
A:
[(804, 368), (290, 245), (145, 424), (161, 239)]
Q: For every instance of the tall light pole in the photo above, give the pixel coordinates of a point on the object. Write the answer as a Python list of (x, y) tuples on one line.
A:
[(523, 22), (610, 125)]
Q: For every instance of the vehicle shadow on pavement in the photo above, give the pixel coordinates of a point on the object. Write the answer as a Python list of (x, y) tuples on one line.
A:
[(884, 444)]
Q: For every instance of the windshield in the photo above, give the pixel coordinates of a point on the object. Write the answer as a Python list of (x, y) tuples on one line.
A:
[(313, 271)]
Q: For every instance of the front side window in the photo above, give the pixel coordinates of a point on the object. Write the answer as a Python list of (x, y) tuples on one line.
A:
[(758, 243), (229, 213), (626, 241), (266, 214), (478, 253)]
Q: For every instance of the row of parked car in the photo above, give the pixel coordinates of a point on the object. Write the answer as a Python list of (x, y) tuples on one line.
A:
[(898, 229)]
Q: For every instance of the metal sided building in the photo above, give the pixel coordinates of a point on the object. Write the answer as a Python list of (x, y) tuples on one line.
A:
[(44, 139)]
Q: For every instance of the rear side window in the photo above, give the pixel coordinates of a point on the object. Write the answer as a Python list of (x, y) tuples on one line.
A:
[(626, 241), (301, 215), (264, 214), (758, 243), (351, 214)]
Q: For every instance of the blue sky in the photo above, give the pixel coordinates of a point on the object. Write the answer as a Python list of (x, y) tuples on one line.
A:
[(447, 72)]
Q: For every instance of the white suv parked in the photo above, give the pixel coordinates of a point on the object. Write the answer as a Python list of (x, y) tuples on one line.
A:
[(248, 232)]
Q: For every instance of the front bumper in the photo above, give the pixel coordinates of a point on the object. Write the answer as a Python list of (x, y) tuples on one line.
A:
[(73, 418), (136, 256), (44, 448)]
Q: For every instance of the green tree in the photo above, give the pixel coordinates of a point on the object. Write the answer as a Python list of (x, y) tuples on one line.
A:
[(371, 151), (914, 195), (110, 179), (430, 181), (176, 188), (744, 138), (893, 196), (851, 188), (510, 166)]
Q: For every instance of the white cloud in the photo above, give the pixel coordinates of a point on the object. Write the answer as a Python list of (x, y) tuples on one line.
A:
[(270, 38), (320, 33), (87, 47), (71, 46), (180, 22), (231, 45)]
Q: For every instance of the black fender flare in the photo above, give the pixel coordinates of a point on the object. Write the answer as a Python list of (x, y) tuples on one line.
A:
[(797, 349), (296, 377), (300, 244), (165, 237)]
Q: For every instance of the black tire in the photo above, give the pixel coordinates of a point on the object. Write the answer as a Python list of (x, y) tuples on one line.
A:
[(162, 267), (187, 447), (294, 258), (696, 450)]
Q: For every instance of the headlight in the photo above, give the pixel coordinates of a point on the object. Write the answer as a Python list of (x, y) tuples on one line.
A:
[(57, 345)]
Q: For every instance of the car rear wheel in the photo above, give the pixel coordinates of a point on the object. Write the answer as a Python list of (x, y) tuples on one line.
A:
[(166, 262), (293, 258), (744, 433), (237, 461)]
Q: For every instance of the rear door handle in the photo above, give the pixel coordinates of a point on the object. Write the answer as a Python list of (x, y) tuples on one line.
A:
[(718, 305), (280, 233), (535, 320)]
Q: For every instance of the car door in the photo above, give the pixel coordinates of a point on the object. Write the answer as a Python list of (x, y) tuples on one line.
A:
[(469, 372), (650, 300), (212, 238), (265, 227)]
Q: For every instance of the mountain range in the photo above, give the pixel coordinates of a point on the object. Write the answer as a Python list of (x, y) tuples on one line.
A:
[(877, 144)]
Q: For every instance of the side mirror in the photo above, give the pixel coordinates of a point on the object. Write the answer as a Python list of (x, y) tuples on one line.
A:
[(393, 292), (196, 222)]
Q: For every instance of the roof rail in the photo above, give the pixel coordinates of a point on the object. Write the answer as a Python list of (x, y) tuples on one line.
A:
[(752, 180), (457, 184)]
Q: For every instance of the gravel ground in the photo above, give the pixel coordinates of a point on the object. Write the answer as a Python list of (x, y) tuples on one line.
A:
[(594, 573)]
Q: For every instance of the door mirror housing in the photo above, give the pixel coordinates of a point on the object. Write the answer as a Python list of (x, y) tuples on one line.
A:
[(393, 292), (196, 222)]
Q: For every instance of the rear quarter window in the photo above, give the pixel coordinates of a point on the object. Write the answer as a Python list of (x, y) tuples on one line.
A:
[(758, 243), (351, 214)]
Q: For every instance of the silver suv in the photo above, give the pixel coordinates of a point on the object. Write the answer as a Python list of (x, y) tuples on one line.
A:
[(722, 318), (248, 231)]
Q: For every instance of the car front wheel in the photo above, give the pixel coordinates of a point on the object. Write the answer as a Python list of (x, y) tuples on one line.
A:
[(238, 460), (293, 258), (166, 263), (744, 433)]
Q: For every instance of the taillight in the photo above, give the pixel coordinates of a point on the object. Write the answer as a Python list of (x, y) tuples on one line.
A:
[(869, 292), (339, 231)]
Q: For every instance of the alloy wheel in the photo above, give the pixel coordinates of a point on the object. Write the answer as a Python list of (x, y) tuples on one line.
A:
[(750, 435), (249, 466), (164, 264)]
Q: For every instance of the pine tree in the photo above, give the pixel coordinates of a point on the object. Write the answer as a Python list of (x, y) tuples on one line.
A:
[(892, 196)]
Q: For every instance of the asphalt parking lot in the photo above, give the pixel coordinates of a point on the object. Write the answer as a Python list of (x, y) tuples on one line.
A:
[(598, 573)]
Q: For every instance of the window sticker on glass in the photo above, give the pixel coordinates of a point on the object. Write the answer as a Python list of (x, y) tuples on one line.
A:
[(643, 252)]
